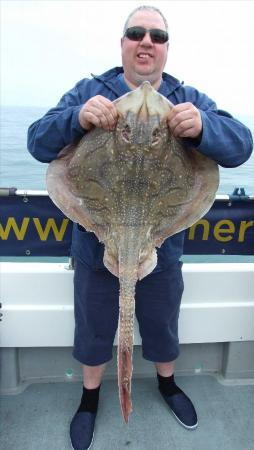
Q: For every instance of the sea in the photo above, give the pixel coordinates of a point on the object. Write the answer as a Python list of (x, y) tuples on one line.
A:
[(19, 169)]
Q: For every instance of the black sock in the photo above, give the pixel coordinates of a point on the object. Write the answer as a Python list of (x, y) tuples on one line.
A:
[(89, 400), (167, 385)]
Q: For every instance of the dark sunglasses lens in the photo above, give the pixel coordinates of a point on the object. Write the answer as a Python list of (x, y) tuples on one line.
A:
[(158, 36), (135, 33)]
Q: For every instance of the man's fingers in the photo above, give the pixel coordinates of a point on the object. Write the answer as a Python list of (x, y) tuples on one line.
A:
[(184, 120), (101, 116), (179, 118), (100, 112), (90, 118), (108, 111), (184, 129), (181, 107)]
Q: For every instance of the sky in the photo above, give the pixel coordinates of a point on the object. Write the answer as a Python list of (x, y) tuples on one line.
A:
[(48, 46)]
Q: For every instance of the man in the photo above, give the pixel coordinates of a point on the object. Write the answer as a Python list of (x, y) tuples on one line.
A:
[(197, 121)]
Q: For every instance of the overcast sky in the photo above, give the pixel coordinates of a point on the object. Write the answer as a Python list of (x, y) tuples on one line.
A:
[(47, 46)]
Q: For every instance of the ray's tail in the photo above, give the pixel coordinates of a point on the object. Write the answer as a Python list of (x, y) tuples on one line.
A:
[(128, 269), (125, 350)]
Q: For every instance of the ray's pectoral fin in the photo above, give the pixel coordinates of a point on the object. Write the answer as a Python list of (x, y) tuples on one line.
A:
[(147, 260), (110, 261), (197, 201), (60, 192)]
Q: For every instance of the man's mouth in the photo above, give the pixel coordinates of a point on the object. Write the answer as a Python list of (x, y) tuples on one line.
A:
[(144, 56)]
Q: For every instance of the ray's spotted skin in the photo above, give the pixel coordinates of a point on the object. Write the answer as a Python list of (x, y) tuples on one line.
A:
[(133, 187)]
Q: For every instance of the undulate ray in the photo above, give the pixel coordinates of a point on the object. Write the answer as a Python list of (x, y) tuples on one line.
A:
[(133, 187)]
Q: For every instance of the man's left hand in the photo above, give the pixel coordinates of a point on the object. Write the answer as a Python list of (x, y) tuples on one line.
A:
[(184, 120)]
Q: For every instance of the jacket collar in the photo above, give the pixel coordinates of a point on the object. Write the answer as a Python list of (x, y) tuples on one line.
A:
[(110, 80)]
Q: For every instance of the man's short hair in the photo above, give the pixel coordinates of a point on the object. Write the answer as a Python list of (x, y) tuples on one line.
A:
[(145, 8)]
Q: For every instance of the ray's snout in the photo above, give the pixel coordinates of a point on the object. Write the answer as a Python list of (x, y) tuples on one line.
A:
[(144, 102)]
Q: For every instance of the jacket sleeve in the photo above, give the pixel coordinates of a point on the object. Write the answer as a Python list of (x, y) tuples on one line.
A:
[(224, 139), (57, 128)]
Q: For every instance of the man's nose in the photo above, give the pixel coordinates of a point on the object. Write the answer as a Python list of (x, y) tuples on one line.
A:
[(147, 39)]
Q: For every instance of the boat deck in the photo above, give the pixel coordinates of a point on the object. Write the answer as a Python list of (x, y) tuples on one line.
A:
[(39, 417)]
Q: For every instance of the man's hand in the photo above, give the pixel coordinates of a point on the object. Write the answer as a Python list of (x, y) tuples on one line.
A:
[(184, 120), (100, 112)]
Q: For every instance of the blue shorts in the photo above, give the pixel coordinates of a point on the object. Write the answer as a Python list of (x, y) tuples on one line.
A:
[(96, 307)]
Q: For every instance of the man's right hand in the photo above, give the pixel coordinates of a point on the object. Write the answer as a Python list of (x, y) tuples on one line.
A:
[(100, 112)]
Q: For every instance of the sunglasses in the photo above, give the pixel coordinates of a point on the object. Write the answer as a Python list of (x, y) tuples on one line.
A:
[(138, 33)]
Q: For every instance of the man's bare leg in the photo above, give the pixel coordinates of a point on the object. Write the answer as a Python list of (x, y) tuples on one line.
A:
[(92, 375), (165, 369)]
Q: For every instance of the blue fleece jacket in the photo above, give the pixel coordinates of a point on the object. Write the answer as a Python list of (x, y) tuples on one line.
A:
[(224, 139)]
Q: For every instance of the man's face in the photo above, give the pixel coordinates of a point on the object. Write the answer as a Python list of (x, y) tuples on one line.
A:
[(144, 60)]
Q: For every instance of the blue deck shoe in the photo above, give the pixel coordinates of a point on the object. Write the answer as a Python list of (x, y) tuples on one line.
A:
[(182, 408), (82, 430)]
